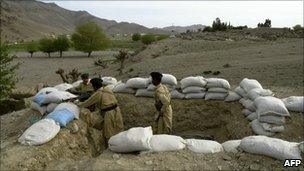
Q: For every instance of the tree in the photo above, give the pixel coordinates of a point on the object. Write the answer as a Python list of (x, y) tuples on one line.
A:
[(148, 39), (121, 57), (298, 28), (136, 37), (267, 23), (46, 45), (217, 25), (89, 37), (61, 43), (7, 74), (31, 48)]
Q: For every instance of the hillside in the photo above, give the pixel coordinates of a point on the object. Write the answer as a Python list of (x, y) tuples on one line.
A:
[(30, 20), (181, 29)]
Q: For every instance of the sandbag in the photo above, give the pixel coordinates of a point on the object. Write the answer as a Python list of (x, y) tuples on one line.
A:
[(240, 91), (177, 95), (47, 90), (257, 92), (232, 96), (215, 96), (39, 98), (258, 129), (204, 146), (272, 128), (217, 82), (63, 86), (137, 83), (164, 142), (71, 107), (61, 116), (278, 120), (197, 81), (122, 88), (231, 146), (57, 97), (144, 93), (193, 89), (167, 79), (50, 107), (272, 147), (41, 109), (249, 84), (195, 95), (40, 132), (252, 116), (248, 104), (270, 106), (246, 112), (294, 103), (132, 140), (108, 81), (152, 87)]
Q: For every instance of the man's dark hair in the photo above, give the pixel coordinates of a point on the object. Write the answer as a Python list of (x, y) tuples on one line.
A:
[(156, 76), (96, 83), (84, 76)]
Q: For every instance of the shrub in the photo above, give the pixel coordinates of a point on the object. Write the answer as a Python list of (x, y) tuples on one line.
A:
[(148, 39), (217, 25), (136, 37), (267, 23), (162, 37)]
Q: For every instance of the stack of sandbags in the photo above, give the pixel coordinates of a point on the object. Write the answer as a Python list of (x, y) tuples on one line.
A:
[(122, 88), (218, 89), (109, 82), (193, 87), (140, 85), (294, 103), (270, 116), (170, 82)]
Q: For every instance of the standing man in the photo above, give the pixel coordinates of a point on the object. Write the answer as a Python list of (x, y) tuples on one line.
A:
[(85, 89), (163, 105), (105, 106)]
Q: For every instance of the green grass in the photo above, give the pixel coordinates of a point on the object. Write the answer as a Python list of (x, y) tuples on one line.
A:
[(20, 47)]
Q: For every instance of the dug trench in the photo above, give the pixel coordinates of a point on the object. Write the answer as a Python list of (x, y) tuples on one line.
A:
[(195, 118)]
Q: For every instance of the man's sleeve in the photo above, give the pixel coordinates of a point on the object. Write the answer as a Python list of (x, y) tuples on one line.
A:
[(92, 100)]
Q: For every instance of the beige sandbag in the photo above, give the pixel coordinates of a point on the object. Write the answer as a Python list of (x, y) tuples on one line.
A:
[(217, 82), (197, 81), (270, 106), (249, 84)]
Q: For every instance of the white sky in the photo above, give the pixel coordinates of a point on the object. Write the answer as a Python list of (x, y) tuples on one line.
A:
[(182, 13)]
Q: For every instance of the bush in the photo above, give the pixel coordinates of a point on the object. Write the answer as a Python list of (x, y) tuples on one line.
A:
[(7, 75), (298, 28), (32, 48), (217, 25), (148, 39), (46, 45), (207, 29), (136, 37), (162, 37), (61, 44), (267, 23), (89, 37)]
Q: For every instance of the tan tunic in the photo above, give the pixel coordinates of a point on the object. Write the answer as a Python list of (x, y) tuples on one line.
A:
[(112, 120), (83, 88), (164, 118)]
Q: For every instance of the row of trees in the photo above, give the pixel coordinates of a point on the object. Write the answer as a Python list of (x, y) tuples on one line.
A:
[(87, 38), (148, 38)]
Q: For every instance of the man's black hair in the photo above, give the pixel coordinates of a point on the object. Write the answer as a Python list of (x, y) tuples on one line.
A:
[(96, 83), (156, 76)]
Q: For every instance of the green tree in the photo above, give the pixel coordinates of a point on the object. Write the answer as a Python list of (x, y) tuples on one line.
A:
[(61, 43), (162, 37), (7, 74), (136, 37), (46, 45), (217, 25), (89, 37), (298, 28), (32, 48), (148, 39), (267, 23)]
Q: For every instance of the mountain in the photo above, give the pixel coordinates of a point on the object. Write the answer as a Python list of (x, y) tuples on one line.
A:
[(31, 20), (181, 29)]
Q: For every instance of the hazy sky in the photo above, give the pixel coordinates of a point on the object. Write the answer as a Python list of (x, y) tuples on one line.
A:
[(166, 13)]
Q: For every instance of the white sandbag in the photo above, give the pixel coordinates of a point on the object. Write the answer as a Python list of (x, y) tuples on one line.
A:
[(217, 90), (294, 103), (272, 128), (132, 140), (240, 91), (195, 95), (246, 112), (144, 93), (193, 89), (167, 79), (197, 81), (278, 120), (257, 92), (217, 82), (63, 86), (37, 107), (248, 104), (232, 96), (57, 97), (249, 84), (231, 146), (215, 96), (137, 83), (270, 106), (152, 87), (110, 86), (122, 88), (47, 90), (108, 80), (177, 95), (71, 107), (272, 147), (77, 83), (50, 107), (40, 132), (252, 116), (204, 146), (164, 142), (258, 129)]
